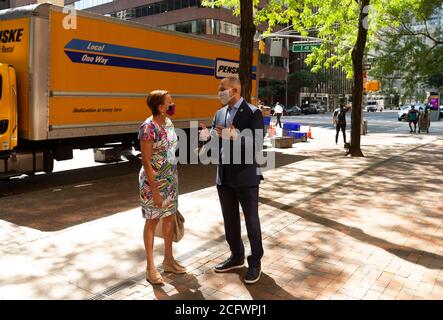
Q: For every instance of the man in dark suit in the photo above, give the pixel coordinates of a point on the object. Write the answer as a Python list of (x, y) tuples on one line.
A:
[(238, 175)]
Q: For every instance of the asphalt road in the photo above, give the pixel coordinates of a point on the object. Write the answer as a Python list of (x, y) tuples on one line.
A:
[(81, 190), (378, 122)]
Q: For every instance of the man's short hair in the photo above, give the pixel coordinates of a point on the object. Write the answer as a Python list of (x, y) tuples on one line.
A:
[(233, 81)]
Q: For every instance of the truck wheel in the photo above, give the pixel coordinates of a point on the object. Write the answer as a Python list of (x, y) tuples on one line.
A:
[(48, 161)]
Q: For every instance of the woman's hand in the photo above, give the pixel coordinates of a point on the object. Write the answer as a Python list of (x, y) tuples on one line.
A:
[(158, 200)]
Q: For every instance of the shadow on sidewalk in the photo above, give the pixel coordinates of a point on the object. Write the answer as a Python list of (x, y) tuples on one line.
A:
[(265, 289), (186, 285), (53, 202), (403, 252)]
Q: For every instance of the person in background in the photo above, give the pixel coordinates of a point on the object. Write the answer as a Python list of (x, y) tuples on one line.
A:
[(158, 181), (413, 118), (424, 121), (278, 112), (339, 121)]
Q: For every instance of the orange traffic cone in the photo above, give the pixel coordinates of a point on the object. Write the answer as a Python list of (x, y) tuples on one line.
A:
[(310, 132), (271, 130)]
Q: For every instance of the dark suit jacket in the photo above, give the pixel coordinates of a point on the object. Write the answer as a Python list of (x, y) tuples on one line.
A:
[(246, 172)]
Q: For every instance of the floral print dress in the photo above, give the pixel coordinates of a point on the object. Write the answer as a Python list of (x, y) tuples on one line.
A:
[(164, 146)]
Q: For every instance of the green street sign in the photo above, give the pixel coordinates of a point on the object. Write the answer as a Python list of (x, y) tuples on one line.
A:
[(304, 47)]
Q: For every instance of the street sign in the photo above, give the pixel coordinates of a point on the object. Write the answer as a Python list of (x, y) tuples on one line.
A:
[(308, 47)]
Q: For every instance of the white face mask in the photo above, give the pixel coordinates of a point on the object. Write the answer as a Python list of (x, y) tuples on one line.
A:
[(224, 96)]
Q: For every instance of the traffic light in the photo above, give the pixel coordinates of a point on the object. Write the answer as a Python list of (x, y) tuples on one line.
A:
[(262, 47), (373, 85)]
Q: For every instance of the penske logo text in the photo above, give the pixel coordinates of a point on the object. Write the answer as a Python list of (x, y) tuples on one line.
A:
[(11, 35), (226, 68)]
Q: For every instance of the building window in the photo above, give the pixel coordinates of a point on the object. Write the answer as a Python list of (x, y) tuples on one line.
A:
[(184, 27), (158, 7), (205, 26), (278, 62), (84, 4), (171, 6)]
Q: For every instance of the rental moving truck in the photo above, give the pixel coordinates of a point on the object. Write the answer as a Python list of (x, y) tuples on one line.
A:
[(74, 79)]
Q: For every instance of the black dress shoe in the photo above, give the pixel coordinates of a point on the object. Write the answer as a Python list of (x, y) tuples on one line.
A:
[(229, 264), (253, 275)]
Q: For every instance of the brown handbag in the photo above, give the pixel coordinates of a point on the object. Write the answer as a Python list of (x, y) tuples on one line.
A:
[(179, 227)]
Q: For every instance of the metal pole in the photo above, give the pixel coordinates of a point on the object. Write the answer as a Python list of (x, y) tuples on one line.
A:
[(286, 99)]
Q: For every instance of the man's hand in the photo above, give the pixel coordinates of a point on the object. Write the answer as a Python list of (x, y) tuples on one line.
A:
[(204, 133), (226, 133)]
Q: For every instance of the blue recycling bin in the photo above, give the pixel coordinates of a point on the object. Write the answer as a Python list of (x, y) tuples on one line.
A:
[(291, 126), (266, 121), (297, 135)]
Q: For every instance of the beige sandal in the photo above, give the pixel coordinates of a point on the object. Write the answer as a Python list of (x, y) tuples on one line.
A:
[(173, 266), (153, 276)]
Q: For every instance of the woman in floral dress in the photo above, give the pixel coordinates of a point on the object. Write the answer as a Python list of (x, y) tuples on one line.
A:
[(158, 181)]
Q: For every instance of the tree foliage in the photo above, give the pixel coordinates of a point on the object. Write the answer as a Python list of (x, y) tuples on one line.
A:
[(346, 29), (410, 53), (305, 78)]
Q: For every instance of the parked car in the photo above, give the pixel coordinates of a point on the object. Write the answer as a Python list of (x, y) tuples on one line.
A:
[(320, 108), (293, 111), (441, 111), (308, 109), (371, 106)]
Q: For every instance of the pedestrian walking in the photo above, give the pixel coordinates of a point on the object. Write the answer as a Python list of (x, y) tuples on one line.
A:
[(413, 118), (238, 184), (158, 181), (278, 112), (424, 121), (339, 121)]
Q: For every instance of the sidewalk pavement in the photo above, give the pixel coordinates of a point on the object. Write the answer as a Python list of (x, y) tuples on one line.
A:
[(333, 227)]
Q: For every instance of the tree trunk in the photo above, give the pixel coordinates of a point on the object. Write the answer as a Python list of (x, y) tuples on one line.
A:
[(247, 31), (357, 90)]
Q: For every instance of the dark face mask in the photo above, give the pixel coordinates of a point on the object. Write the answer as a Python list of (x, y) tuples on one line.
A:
[(171, 110)]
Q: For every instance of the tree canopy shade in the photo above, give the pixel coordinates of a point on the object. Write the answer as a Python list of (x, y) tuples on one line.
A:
[(412, 50), (346, 29), (244, 8)]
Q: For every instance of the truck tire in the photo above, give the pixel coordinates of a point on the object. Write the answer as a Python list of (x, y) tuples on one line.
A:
[(48, 161)]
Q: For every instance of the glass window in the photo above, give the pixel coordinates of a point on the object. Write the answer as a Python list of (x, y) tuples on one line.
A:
[(138, 12), (156, 8), (163, 7), (225, 27), (185, 3), (201, 26), (212, 26), (216, 27), (171, 5), (194, 26), (184, 27), (264, 59), (150, 10)]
